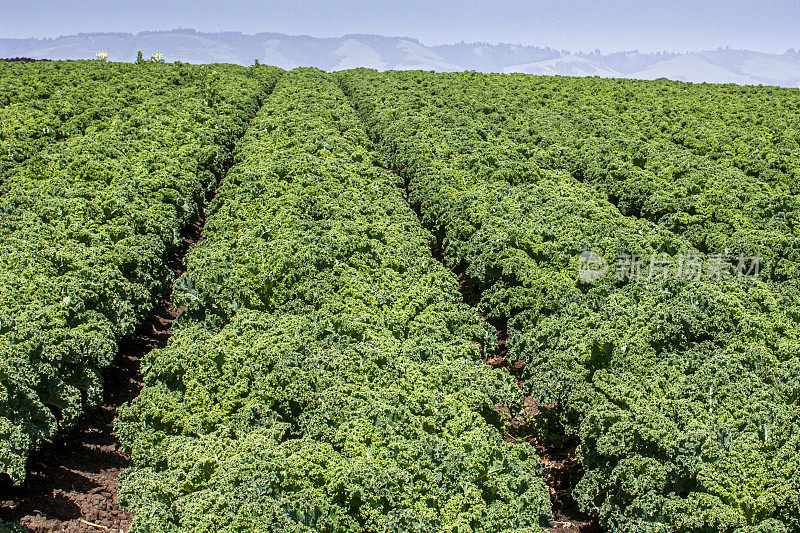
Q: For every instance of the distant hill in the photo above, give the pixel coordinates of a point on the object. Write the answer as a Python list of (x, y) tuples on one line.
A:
[(401, 53)]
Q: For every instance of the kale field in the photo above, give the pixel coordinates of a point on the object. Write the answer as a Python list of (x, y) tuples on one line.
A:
[(251, 299)]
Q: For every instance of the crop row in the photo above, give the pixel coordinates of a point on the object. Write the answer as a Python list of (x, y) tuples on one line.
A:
[(717, 165), (42, 104), (325, 376), (683, 389), (85, 231)]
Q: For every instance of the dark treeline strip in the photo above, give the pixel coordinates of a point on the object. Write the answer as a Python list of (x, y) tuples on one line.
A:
[(22, 60), (324, 376), (683, 389), (84, 235)]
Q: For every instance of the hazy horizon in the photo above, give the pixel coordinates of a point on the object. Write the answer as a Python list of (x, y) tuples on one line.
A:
[(579, 26), (398, 36)]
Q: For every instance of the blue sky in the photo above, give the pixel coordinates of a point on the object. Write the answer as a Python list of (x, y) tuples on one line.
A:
[(679, 25)]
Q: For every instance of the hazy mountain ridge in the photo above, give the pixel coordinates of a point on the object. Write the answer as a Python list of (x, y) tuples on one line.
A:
[(401, 53)]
